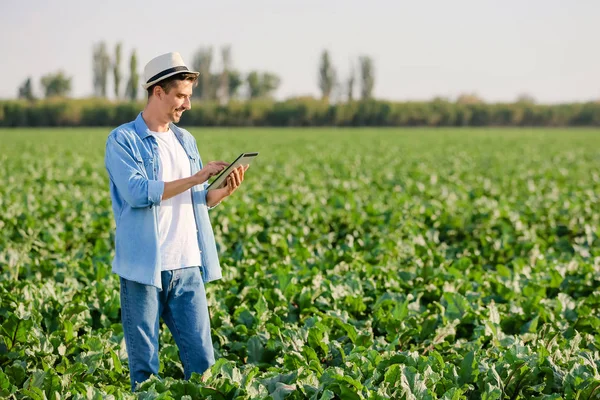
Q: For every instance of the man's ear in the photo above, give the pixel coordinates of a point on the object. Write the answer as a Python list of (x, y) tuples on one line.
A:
[(158, 92)]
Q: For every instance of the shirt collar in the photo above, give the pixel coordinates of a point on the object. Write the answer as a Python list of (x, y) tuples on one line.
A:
[(141, 128), (143, 131)]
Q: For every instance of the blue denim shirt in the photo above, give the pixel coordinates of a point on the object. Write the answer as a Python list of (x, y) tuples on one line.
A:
[(132, 163)]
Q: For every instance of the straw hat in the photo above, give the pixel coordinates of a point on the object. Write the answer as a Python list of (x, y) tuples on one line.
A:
[(164, 66)]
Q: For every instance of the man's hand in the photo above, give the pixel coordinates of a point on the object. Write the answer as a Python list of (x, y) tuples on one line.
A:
[(232, 183), (177, 186), (210, 169), (234, 180)]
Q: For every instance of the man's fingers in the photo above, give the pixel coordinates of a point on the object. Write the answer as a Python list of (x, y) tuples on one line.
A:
[(236, 177), (220, 164)]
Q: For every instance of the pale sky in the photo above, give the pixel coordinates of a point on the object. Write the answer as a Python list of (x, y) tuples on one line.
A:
[(421, 49)]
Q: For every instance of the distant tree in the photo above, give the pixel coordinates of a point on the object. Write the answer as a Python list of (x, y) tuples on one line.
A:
[(26, 90), (56, 84), (327, 76), (202, 63), (101, 65), (270, 83), (262, 84), (235, 81), (525, 98), (254, 85), (117, 70), (350, 82), (469, 98), (132, 84), (367, 77), (223, 93)]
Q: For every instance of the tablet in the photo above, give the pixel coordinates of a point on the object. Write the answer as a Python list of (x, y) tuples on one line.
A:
[(243, 159)]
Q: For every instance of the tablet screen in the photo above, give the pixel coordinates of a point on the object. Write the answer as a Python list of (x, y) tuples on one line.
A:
[(243, 159)]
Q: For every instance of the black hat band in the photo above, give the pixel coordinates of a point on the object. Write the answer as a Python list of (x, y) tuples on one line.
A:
[(167, 72)]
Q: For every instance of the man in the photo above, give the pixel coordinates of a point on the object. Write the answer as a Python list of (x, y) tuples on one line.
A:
[(164, 245)]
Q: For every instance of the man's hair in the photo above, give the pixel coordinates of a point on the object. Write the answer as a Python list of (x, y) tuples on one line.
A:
[(168, 83)]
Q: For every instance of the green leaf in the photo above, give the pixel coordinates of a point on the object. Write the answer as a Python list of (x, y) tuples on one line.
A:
[(393, 375), (15, 330), (245, 318), (327, 395), (261, 306), (211, 393), (74, 310), (116, 362), (531, 326), (36, 380), (348, 392), (456, 305), (350, 331), (453, 394), (468, 369), (179, 389), (255, 350), (293, 360), (17, 372), (282, 390), (52, 383), (69, 331), (6, 387), (35, 393), (317, 337)]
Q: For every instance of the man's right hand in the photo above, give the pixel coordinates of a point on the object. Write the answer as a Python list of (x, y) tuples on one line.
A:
[(210, 169), (175, 187)]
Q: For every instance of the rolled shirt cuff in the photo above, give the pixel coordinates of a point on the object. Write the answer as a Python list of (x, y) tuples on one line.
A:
[(155, 191)]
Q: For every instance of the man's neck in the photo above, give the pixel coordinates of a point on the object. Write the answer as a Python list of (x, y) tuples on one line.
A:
[(154, 122)]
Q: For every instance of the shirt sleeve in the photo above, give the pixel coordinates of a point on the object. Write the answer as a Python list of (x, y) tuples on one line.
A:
[(126, 172)]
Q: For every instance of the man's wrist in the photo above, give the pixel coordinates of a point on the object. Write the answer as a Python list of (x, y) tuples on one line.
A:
[(197, 179), (215, 196)]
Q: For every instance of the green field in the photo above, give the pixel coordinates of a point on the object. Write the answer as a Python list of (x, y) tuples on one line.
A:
[(358, 264)]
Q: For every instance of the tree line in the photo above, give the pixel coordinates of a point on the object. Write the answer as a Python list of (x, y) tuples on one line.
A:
[(227, 96), (306, 111)]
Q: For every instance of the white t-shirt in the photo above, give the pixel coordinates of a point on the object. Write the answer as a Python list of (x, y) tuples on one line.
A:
[(176, 222)]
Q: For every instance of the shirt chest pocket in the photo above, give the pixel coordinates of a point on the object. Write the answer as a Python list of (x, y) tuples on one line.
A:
[(148, 165), (194, 163)]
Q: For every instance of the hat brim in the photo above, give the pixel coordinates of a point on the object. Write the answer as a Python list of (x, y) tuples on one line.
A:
[(162, 78)]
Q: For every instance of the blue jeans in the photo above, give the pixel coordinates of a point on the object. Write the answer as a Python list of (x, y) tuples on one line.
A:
[(183, 307)]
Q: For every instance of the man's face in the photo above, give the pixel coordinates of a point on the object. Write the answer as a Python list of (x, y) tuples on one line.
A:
[(177, 100)]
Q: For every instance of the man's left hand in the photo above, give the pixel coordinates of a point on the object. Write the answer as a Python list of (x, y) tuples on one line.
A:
[(231, 184)]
